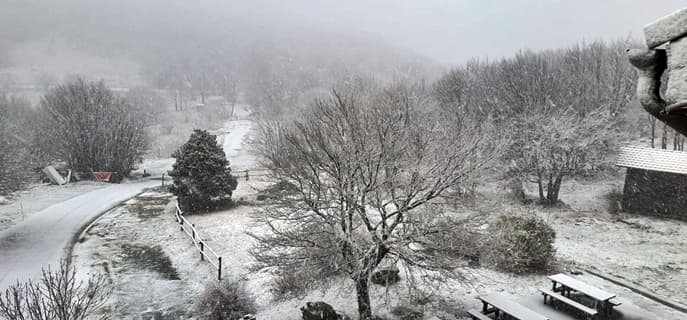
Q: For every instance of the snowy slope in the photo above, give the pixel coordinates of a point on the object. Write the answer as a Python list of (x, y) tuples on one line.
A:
[(42, 239)]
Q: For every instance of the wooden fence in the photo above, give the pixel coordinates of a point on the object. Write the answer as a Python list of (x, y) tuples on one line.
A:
[(250, 173), (206, 253)]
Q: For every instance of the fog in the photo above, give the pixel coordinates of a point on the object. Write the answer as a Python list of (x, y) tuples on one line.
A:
[(306, 44), (449, 32)]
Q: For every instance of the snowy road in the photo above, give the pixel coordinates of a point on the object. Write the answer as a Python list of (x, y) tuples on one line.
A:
[(42, 239), (235, 139)]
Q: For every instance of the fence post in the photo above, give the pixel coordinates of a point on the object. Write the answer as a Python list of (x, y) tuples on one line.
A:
[(219, 268), (163, 179), (202, 248), (193, 232), (247, 175)]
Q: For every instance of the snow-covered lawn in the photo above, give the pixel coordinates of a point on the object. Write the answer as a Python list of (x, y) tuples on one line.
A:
[(23, 204), (645, 252)]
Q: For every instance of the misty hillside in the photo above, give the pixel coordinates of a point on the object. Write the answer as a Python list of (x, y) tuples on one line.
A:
[(113, 41)]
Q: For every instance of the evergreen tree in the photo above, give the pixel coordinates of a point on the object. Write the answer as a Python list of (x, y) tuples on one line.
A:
[(202, 176)]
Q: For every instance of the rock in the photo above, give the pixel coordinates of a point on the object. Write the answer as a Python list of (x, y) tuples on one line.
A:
[(342, 316), (386, 276), (318, 310), (666, 29)]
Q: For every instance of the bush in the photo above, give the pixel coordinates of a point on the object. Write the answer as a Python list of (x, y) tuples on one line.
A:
[(407, 313), (89, 127), (614, 199), (290, 284), (521, 244), (226, 301), (201, 173)]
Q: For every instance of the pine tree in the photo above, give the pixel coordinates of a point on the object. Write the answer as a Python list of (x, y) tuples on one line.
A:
[(202, 176)]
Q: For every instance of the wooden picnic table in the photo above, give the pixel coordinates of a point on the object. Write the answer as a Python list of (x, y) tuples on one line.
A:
[(501, 304), (567, 284)]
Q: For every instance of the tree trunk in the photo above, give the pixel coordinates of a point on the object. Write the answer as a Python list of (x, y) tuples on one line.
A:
[(553, 190), (541, 188), (653, 130), (363, 292), (664, 137)]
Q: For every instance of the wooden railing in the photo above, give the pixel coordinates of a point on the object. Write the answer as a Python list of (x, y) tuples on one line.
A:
[(206, 253), (250, 173)]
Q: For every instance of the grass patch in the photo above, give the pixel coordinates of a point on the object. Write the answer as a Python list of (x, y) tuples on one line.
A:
[(149, 258)]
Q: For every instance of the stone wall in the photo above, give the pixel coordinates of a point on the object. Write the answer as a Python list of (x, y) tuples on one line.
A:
[(655, 193)]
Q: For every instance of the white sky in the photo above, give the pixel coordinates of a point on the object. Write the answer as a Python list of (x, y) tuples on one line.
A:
[(452, 31)]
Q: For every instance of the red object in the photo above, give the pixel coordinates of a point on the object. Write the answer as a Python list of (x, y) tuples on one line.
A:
[(102, 176)]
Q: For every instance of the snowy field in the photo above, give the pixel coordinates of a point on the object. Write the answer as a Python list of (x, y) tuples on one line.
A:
[(587, 238)]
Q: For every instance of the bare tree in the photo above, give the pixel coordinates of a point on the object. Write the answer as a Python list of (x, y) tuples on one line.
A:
[(90, 128), (358, 168), (58, 295), (560, 145), (16, 158), (551, 102)]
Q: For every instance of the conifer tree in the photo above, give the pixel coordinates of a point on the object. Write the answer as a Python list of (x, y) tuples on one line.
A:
[(202, 176)]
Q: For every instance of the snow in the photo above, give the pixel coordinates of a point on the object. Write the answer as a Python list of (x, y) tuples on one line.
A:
[(42, 238), (587, 237), (235, 141), (26, 203)]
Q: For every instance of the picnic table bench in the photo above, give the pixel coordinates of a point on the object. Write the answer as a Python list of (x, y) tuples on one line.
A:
[(564, 285), (498, 303), (553, 296)]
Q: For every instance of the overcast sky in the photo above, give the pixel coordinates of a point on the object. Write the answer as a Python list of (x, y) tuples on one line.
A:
[(451, 31)]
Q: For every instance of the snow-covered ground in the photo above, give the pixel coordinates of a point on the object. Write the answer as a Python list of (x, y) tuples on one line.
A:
[(645, 252), (235, 141), (23, 204), (42, 238)]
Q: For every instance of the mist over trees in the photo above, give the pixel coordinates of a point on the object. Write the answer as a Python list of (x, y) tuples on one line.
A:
[(566, 109)]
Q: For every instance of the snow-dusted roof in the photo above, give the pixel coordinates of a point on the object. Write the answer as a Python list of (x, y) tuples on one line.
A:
[(653, 159)]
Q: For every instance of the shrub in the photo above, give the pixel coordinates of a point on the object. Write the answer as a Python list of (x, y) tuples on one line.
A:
[(291, 284), (457, 240), (407, 313), (521, 244), (201, 173), (226, 301), (614, 199)]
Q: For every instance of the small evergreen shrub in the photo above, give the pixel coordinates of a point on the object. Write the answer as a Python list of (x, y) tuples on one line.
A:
[(226, 301), (201, 173), (521, 244)]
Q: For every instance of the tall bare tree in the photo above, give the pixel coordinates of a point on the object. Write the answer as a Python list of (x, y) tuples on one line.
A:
[(358, 168)]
